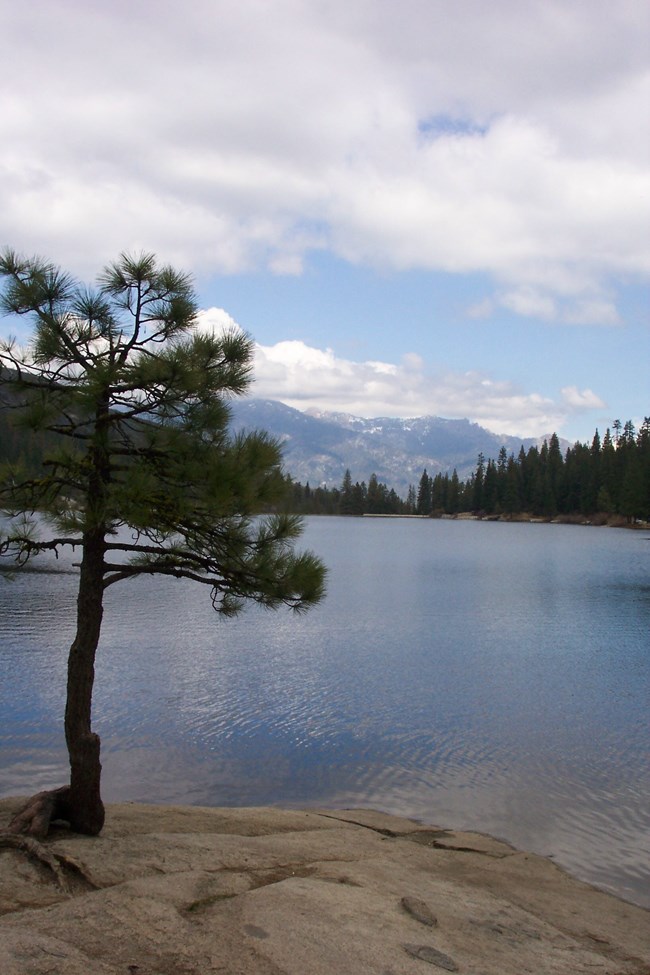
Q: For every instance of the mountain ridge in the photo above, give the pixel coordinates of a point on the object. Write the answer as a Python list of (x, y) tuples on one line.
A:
[(319, 446)]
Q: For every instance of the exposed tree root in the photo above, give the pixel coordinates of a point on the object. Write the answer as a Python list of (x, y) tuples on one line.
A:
[(31, 824), (36, 815), (35, 850), (58, 863)]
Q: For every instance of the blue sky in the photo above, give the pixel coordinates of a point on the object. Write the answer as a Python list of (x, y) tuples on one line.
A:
[(423, 207)]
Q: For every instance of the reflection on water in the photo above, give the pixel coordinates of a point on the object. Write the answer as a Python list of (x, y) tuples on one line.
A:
[(484, 676)]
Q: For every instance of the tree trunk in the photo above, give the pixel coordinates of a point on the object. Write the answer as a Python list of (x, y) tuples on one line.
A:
[(85, 811), (80, 803)]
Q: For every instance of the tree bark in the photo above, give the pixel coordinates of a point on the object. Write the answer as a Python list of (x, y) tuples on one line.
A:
[(35, 817), (80, 803), (85, 807)]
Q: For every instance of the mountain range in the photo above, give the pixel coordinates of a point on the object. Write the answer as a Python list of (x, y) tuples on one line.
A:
[(318, 446)]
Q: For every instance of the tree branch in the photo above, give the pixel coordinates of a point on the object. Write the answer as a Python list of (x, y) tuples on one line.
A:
[(128, 572)]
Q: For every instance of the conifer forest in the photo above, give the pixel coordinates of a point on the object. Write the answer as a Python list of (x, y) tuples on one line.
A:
[(608, 477)]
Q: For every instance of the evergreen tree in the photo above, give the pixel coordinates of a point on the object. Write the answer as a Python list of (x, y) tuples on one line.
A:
[(359, 498), (604, 502), (509, 487), (577, 480), (375, 498), (608, 482), (547, 504), (502, 471), (590, 491), (479, 476), (633, 497), (490, 499), (394, 504), (424, 494), (411, 500), (138, 398), (643, 447), (453, 494), (439, 486), (347, 494), (555, 470)]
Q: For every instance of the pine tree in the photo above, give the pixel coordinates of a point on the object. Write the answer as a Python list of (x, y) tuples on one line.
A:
[(138, 398), (375, 499), (479, 477), (512, 493), (490, 489), (453, 494), (424, 494), (347, 494), (411, 500), (555, 469)]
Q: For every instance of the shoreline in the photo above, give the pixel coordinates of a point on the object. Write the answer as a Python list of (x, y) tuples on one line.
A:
[(522, 518), (269, 891)]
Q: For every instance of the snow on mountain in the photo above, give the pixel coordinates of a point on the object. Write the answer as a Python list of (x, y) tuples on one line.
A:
[(319, 446)]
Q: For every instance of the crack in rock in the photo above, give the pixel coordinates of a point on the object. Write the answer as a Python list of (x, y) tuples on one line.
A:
[(419, 910), (431, 955)]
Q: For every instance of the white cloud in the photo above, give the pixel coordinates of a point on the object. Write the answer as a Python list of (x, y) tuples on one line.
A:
[(592, 311), (307, 378), (528, 301), (216, 320), (584, 399), (425, 134), (533, 303)]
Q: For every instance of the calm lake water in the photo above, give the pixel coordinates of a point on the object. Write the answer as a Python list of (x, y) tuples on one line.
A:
[(474, 675)]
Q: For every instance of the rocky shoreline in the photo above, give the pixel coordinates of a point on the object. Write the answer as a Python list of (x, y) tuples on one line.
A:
[(595, 521), (172, 890)]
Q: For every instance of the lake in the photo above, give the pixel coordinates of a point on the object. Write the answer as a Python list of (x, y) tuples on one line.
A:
[(475, 675)]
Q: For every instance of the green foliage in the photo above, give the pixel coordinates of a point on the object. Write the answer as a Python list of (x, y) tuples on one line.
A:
[(122, 373), (424, 494), (610, 478), (136, 399), (146, 479)]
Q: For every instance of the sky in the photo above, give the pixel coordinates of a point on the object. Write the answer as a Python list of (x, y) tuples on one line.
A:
[(426, 207)]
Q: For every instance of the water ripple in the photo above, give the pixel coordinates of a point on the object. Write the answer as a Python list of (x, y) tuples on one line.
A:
[(496, 678)]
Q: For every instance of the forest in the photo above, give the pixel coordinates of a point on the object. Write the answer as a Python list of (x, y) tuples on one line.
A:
[(607, 478)]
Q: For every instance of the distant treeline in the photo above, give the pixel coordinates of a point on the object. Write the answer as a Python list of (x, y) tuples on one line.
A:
[(608, 477), (22, 446)]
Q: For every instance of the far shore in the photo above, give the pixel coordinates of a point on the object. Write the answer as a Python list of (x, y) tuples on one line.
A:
[(597, 521)]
